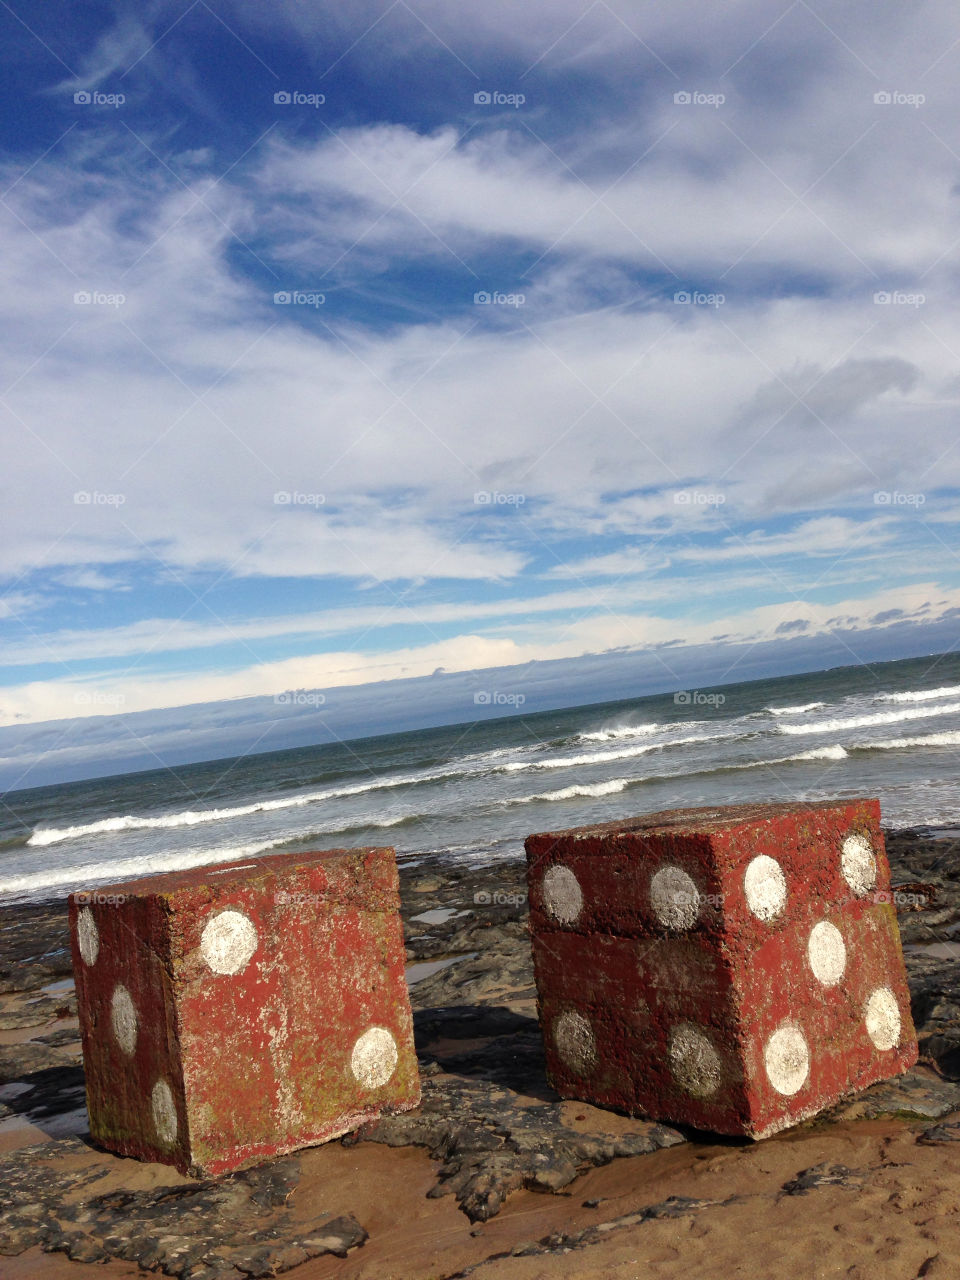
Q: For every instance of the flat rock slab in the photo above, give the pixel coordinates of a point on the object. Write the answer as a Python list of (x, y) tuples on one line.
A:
[(205, 1230)]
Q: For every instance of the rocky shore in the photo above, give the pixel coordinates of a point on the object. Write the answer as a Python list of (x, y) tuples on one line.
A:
[(488, 1131)]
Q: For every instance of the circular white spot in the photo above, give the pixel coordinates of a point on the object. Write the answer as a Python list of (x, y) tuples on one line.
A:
[(562, 895), (374, 1058), (827, 953), (883, 1018), (229, 940), (694, 1061), (765, 886), (675, 898), (88, 936), (164, 1113), (787, 1059), (123, 1019), (858, 864), (575, 1041)]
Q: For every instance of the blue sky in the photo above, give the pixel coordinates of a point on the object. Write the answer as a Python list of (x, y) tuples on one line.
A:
[(346, 344)]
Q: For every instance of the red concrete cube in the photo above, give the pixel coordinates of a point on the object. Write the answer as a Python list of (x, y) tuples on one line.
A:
[(233, 1013), (735, 969)]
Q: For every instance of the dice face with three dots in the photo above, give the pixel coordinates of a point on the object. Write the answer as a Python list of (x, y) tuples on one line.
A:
[(230, 1014), (735, 969)]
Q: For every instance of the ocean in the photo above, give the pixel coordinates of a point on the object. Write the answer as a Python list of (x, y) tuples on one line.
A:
[(474, 791)]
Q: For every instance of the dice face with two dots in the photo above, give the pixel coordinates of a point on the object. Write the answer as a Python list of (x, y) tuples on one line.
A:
[(737, 970), (230, 1014)]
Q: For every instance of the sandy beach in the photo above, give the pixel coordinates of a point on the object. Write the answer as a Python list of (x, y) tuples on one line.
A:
[(494, 1175)]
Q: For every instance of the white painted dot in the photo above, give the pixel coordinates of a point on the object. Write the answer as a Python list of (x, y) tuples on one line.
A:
[(883, 1018), (123, 1019), (787, 1059), (88, 936), (675, 898), (694, 1061), (562, 895), (858, 864), (374, 1058), (575, 1041), (228, 941), (826, 953), (164, 1113), (765, 887)]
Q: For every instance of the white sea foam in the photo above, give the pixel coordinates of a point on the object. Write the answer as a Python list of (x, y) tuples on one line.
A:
[(170, 860), (840, 724), (920, 695), (949, 738), (192, 818), (586, 789), (795, 711), (621, 731), (595, 757)]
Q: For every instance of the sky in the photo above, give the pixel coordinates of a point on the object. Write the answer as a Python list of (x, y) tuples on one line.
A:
[(344, 346)]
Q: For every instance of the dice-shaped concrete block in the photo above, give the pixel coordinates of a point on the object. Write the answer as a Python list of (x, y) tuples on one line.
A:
[(233, 1013), (735, 969)]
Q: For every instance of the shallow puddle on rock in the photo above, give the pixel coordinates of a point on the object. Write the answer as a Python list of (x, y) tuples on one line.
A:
[(935, 950), (439, 915), (417, 972)]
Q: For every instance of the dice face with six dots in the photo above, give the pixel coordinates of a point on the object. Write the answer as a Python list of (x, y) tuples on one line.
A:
[(735, 969), (230, 1014)]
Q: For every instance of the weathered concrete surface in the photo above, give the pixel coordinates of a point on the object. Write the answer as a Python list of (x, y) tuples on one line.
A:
[(736, 969), (233, 1014)]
